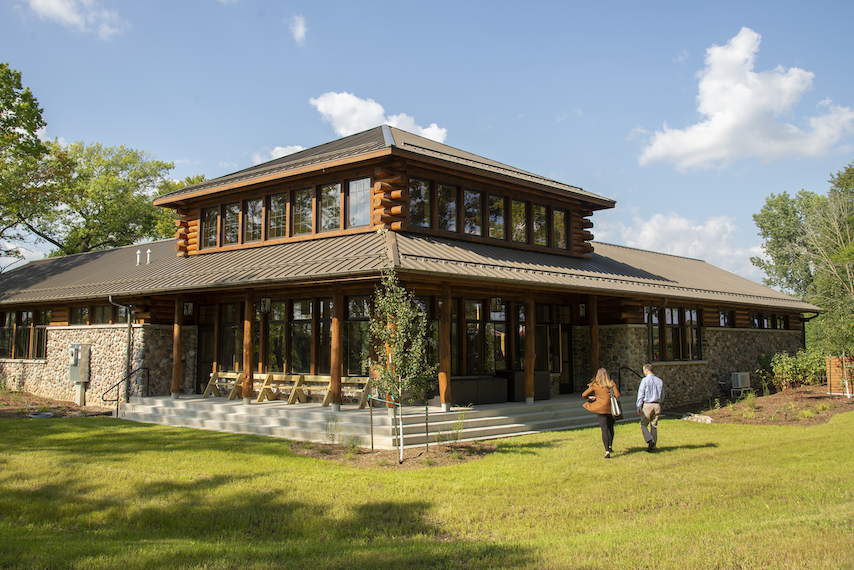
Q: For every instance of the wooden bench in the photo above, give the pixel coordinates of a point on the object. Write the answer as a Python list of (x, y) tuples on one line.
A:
[(224, 380), (355, 386), (279, 381)]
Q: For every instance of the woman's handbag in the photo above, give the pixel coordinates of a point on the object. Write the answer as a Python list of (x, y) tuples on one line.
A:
[(616, 411)]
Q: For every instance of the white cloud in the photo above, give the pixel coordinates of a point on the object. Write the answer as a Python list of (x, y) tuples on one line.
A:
[(224, 164), (741, 109), (349, 114), (682, 57), (277, 152), (81, 15), (713, 241), (298, 29)]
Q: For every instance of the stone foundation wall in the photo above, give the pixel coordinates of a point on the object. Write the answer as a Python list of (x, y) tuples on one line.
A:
[(152, 349), (686, 382)]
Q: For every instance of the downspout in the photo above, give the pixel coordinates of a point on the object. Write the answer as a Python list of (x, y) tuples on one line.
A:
[(129, 345)]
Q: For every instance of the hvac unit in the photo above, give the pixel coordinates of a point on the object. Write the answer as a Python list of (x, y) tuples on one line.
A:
[(740, 380)]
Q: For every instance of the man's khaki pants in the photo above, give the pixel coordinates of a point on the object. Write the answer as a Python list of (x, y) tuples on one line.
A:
[(650, 418)]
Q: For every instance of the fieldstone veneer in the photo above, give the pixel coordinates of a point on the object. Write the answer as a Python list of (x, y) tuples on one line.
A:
[(686, 382), (152, 350)]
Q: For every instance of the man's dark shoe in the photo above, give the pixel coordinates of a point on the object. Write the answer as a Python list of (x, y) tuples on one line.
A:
[(650, 447)]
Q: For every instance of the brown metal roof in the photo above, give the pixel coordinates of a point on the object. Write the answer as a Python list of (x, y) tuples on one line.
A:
[(356, 147), (612, 270), (114, 272)]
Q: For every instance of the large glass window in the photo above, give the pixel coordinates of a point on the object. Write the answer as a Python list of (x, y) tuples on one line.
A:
[(474, 337), (301, 212), (23, 334), (277, 217), (231, 224), (330, 207), (673, 333), (300, 337), (519, 221), (324, 339), (357, 338), (559, 231), (496, 337), (541, 225), (231, 338), (473, 212), (359, 203), (727, 319), (253, 220), (497, 221), (447, 207), (210, 223), (419, 203), (79, 316), (277, 320), (102, 314)]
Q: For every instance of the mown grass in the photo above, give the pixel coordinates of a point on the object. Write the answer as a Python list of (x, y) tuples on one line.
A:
[(98, 493)]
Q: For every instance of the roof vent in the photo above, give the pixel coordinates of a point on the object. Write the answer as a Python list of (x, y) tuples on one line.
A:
[(148, 257), (138, 253)]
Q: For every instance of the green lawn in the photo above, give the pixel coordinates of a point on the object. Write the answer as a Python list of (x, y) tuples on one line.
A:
[(100, 493)]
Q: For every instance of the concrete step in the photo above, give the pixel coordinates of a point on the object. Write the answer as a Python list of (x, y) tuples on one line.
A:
[(311, 422)]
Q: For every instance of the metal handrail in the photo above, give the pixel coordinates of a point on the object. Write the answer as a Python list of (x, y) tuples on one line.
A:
[(620, 376), (116, 386)]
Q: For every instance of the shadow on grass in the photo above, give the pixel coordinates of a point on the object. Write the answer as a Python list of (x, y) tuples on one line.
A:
[(67, 520), (668, 448), (55, 526), (517, 448)]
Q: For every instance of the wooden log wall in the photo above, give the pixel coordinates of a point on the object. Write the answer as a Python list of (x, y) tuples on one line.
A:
[(390, 197), (187, 233), (579, 237)]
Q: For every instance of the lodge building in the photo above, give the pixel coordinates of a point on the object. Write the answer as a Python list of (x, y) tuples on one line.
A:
[(272, 270)]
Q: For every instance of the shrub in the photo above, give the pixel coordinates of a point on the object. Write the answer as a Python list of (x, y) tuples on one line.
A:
[(803, 368)]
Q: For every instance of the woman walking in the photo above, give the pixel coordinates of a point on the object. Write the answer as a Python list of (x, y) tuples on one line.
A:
[(598, 395)]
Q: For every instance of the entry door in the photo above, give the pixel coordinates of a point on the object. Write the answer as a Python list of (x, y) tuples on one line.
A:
[(207, 344)]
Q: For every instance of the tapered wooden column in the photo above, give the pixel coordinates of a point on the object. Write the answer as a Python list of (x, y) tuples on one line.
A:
[(335, 357), (593, 316), (176, 346), (445, 348), (248, 345), (530, 345)]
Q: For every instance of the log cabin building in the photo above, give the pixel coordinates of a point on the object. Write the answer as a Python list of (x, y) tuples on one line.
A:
[(272, 270)]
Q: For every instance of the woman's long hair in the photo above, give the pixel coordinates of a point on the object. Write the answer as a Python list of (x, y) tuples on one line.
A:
[(603, 379)]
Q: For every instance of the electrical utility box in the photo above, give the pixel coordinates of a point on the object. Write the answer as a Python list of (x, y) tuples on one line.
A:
[(78, 371)]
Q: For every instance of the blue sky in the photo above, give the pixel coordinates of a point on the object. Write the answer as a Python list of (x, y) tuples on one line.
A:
[(687, 114)]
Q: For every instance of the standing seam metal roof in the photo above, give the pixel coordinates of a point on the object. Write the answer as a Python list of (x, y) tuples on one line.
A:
[(613, 270)]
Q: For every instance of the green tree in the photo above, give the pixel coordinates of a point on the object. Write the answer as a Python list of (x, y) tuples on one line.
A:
[(165, 226), (29, 174), (398, 328), (809, 244), (105, 204)]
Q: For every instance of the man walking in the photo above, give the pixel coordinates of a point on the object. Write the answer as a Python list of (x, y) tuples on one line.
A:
[(650, 393)]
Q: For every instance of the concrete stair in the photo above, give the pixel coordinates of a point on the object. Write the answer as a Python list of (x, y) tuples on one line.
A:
[(311, 422)]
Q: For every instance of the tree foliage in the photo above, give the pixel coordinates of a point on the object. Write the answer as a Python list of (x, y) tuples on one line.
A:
[(106, 202), (165, 225), (398, 329), (29, 173), (809, 245)]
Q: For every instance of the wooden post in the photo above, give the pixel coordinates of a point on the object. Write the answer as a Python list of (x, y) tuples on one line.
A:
[(176, 345), (593, 315), (248, 345), (445, 348), (337, 345), (530, 345)]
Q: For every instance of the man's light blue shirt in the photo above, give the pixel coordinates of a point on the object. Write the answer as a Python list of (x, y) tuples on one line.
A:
[(651, 389)]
